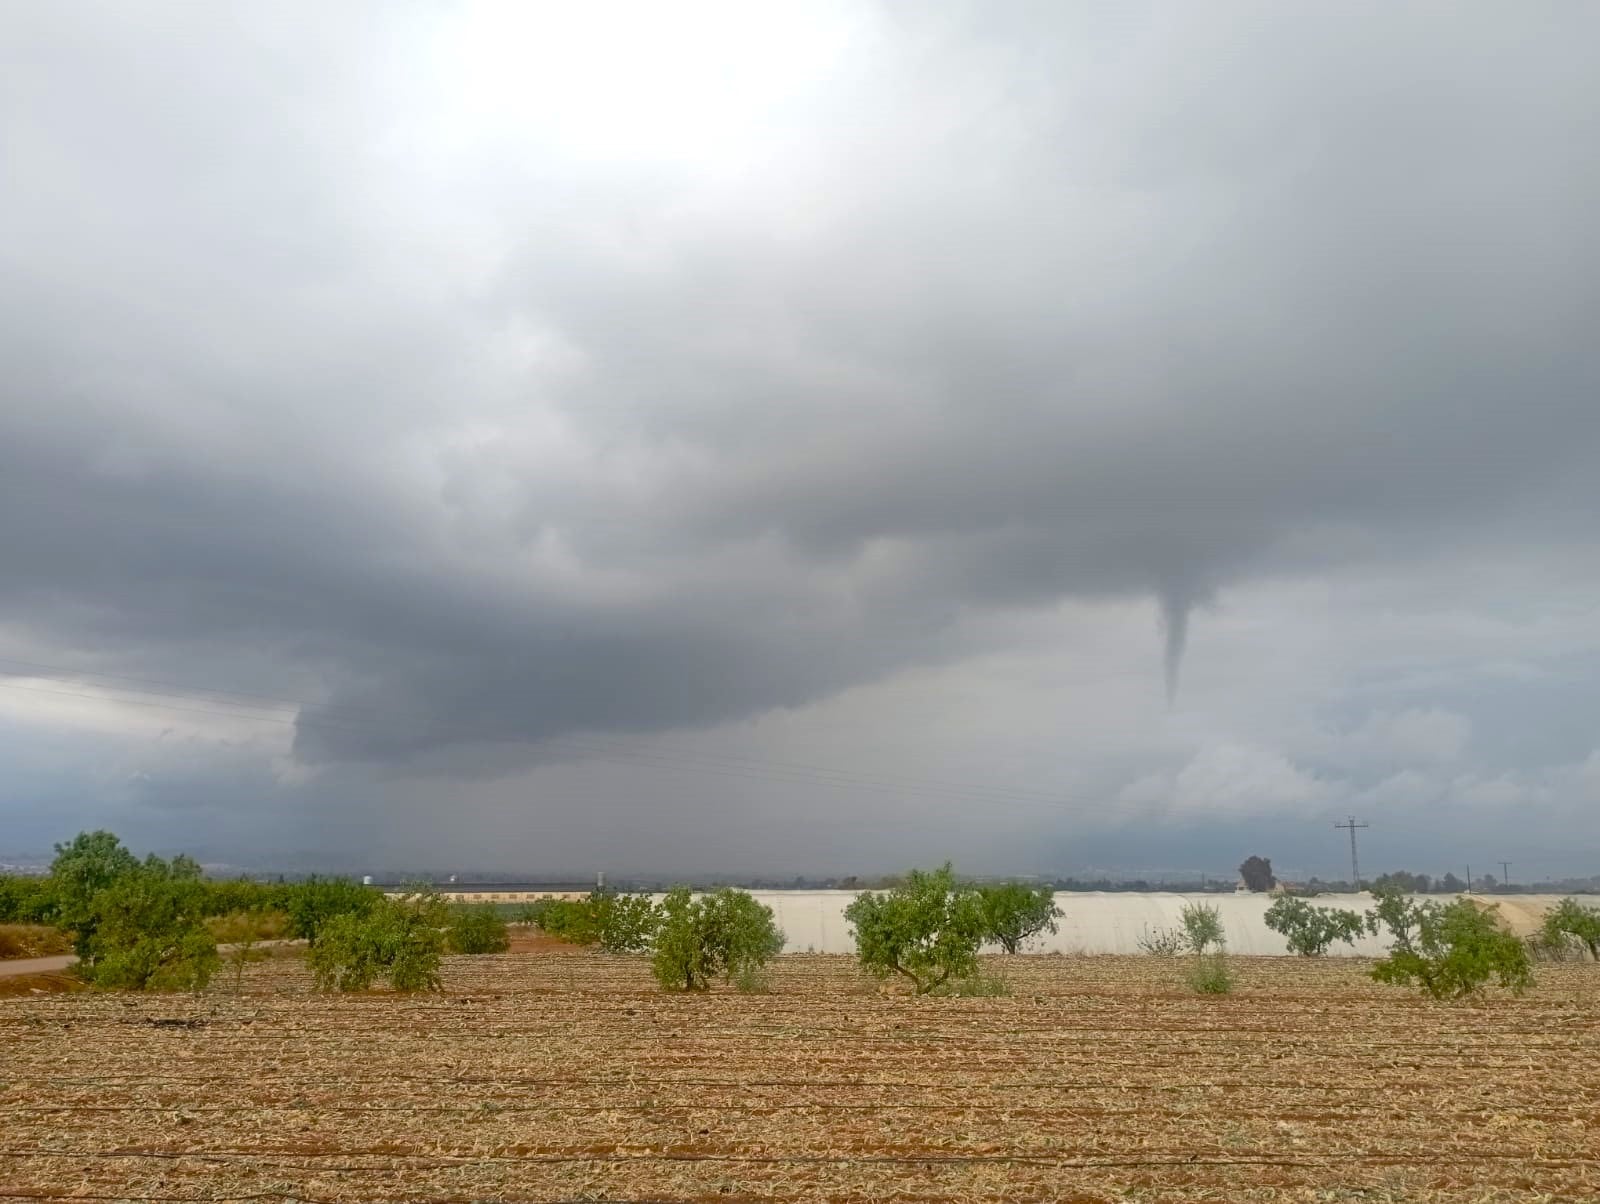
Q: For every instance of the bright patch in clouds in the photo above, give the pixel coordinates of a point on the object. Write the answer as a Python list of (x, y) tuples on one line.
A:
[(702, 83)]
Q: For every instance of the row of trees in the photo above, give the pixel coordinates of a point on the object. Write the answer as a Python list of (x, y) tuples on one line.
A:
[(928, 929), (1447, 950), (693, 939), (93, 862), (1256, 874), (143, 925), (152, 924)]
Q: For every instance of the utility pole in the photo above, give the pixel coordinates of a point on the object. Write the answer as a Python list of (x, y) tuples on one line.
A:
[(1355, 870), (1505, 874)]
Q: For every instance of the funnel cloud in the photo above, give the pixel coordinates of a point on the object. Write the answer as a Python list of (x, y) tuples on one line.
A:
[(1175, 633)]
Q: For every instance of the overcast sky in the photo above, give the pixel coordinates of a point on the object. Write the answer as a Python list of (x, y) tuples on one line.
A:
[(802, 437)]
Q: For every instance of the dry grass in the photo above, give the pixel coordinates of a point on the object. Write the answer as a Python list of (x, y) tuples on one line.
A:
[(538, 1076), (32, 940), (238, 927)]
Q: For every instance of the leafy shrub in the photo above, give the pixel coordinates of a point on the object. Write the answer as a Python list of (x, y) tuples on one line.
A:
[(528, 913), (751, 980), (1163, 942), (550, 915), (1210, 975), (26, 900), (1203, 936), (313, 903), (1310, 930), (626, 923), (478, 928), (570, 920), (1014, 912), (974, 986), (147, 931), (617, 923), (1448, 951), (349, 956), (927, 929), (1571, 925), (220, 898), (401, 940), (726, 934)]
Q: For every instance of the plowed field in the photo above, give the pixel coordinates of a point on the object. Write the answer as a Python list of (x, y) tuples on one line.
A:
[(542, 1076)]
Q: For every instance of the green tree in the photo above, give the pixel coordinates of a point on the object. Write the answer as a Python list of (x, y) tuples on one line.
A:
[(350, 952), (400, 939), (624, 923), (83, 867), (1257, 874), (148, 931), (478, 928), (1569, 923), (727, 934), (1014, 912), (312, 903), (617, 923), (1447, 950), (927, 929), (1310, 930), (26, 900), (568, 919)]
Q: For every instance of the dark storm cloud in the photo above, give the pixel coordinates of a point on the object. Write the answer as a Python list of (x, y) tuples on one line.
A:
[(1026, 306)]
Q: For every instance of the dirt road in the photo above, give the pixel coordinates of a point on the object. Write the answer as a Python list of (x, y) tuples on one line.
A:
[(16, 966)]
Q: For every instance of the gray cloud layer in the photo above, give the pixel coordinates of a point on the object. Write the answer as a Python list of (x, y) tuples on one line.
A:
[(504, 424)]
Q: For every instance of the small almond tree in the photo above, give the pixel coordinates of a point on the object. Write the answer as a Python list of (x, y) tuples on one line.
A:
[(618, 923), (1308, 930), (1569, 924), (1447, 950), (623, 923), (401, 940), (728, 934), (312, 903), (148, 931), (927, 929), (1014, 913), (478, 928)]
